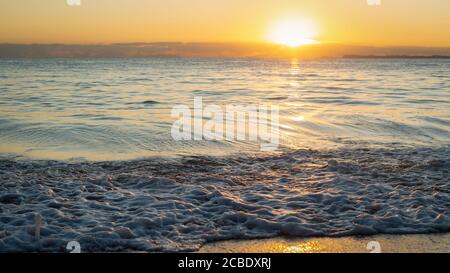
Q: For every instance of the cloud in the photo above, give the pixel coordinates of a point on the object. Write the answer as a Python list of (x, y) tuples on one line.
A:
[(206, 50)]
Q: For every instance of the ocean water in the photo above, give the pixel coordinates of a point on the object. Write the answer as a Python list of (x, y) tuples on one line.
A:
[(116, 109), (87, 153)]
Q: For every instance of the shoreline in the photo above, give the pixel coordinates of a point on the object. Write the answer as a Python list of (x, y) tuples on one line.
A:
[(181, 204), (409, 243)]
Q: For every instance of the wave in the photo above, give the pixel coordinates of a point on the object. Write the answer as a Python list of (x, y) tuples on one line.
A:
[(178, 204)]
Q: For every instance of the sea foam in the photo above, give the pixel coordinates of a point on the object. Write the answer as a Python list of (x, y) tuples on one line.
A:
[(179, 204)]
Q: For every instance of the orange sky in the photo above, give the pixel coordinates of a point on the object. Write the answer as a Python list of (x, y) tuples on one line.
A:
[(394, 22)]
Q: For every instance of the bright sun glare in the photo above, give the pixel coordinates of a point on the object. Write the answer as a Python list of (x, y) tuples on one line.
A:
[(292, 32)]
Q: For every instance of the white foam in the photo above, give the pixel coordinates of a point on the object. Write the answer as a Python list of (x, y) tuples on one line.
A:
[(178, 205)]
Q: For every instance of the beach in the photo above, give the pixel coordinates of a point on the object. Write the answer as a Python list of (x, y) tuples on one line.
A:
[(197, 127), (181, 204), (88, 155), (431, 243)]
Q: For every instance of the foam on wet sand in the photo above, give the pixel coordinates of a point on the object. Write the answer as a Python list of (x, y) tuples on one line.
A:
[(181, 204)]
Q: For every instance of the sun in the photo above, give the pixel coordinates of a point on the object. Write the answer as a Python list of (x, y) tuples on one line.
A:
[(292, 32)]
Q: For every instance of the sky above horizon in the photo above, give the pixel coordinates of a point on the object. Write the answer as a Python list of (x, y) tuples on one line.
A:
[(393, 23)]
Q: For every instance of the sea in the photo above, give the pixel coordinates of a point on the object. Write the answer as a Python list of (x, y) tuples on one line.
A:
[(88, 154)]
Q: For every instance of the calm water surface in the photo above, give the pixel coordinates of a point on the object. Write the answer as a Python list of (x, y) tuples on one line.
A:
[(108, 109)]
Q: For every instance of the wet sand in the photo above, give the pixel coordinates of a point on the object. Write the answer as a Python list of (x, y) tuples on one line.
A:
[(426, 243)]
